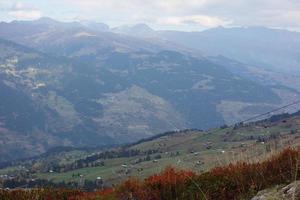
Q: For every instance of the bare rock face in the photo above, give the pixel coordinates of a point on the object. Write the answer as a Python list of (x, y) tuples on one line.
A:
[(288, 192), (292, 191)]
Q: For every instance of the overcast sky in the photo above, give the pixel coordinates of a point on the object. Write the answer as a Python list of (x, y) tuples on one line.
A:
[(161, 14)]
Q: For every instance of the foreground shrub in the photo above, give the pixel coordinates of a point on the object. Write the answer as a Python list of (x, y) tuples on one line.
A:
[(106, 194), (242, 179), (39, 194), (131, 189), (169, 184)]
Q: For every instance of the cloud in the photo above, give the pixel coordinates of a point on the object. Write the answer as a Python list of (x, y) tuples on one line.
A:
[(201, 20), (25, 14), (202, 13), (23, 11), (176, 13), (147, 6), (167, 12), (270, 13)]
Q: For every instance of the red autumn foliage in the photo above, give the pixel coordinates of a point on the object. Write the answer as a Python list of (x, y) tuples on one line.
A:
[(241, 179), (131, 189), (56, 194), (105, 194), (169, 184), (44, 194), (223, 183)]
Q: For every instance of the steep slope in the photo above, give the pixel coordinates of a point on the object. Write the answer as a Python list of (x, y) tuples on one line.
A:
[(194, 86), (48, 101), (23, 116)]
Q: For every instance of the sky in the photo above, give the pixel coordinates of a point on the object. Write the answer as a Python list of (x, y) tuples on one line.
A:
[(187, 15)]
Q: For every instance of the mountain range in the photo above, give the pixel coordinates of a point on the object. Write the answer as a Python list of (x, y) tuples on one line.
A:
[(85, 84)]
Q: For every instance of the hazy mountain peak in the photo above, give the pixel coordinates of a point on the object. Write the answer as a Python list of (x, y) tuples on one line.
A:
[(40, 21), (142, 27), (47, 20), (95, 26)]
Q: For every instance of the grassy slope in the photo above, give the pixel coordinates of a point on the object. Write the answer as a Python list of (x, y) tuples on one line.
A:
[(227, 146)]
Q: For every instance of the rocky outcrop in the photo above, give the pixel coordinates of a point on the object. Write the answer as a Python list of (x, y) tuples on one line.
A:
[(287, 192)]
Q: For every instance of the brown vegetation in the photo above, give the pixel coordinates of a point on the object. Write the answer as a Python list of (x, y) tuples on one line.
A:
[(235, 181)]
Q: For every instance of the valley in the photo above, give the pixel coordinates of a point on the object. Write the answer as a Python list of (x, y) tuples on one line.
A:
[(95, 88), (194, 150), (149, 100)]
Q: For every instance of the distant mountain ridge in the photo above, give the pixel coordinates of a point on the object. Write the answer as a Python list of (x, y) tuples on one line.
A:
[(259, 46)]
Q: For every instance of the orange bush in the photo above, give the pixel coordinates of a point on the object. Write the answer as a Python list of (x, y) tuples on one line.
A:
[(106, 194), (170, 184), (233, 181), (131, 189), (33, 194)]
